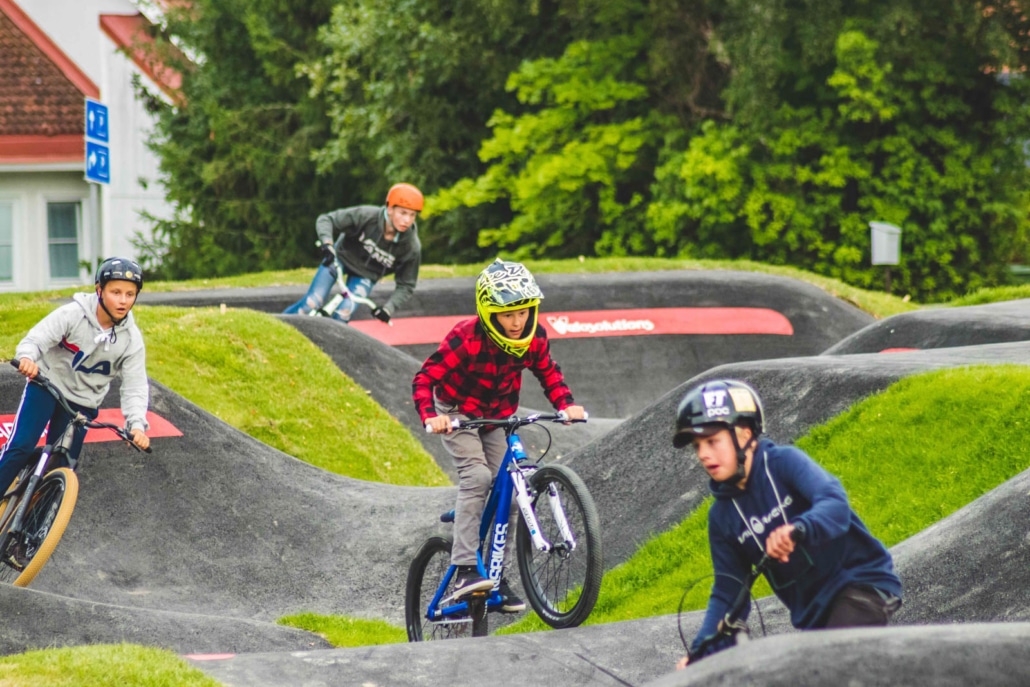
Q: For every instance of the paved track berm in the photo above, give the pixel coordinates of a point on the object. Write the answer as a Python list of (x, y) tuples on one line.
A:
[(201, 546)]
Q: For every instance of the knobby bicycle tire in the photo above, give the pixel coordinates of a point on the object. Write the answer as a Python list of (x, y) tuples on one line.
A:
[(44, 524), (561, 584), (425, 574)]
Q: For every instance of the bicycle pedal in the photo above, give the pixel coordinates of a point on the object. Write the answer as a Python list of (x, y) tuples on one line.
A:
[(16, 559)]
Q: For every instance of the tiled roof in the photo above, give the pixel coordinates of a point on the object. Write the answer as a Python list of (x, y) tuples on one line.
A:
[(41, 90)]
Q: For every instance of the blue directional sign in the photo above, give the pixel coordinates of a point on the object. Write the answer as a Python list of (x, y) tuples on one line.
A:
[(97, 124), (98, 163)]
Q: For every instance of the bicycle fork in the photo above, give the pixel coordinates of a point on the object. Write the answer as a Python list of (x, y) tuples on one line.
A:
[(29, 490), (526, 507)]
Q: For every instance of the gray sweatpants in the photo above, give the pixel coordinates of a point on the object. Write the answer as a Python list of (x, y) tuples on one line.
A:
[(477, 458)]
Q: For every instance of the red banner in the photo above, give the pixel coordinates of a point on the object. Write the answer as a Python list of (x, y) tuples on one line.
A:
[(159, 427), (589, 323)]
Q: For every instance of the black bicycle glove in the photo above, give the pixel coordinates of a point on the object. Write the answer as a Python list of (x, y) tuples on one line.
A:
[(328, 254), (380, 314)]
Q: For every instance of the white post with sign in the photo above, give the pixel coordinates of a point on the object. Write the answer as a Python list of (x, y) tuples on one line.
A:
[(98, 165), (886, 240)]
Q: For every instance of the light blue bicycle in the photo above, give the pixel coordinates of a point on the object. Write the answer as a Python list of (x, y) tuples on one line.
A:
[(558, 548)]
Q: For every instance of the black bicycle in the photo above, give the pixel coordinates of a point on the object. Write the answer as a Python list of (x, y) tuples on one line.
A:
[(36, 509), (731, 626)]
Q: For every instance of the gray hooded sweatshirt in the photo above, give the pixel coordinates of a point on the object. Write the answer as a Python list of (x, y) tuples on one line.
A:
[(81, 358)]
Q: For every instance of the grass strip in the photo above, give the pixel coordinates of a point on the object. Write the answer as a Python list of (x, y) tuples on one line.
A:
[(100, 665), (344, 631)]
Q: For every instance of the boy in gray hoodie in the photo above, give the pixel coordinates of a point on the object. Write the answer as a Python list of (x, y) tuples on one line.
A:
[(82, 347), (373, 242)]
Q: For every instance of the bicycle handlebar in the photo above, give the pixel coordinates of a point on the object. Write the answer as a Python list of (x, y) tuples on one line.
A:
[(43, 382), (513, 421)]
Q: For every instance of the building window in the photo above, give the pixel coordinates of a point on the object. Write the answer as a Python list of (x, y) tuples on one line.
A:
[(63, 236), (6, 241)]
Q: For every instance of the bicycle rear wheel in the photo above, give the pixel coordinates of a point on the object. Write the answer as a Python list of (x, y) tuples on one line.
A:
[(45, 520), (425, 575), (561, 584)]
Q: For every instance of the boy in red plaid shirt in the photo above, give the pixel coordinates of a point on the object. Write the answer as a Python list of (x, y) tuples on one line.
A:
[(477, 373)]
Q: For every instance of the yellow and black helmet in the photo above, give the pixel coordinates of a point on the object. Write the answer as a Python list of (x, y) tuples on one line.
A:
[(504, 286)]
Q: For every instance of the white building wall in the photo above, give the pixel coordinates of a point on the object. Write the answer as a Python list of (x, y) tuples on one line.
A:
[(134, 186), (29, 194), (74, 25)]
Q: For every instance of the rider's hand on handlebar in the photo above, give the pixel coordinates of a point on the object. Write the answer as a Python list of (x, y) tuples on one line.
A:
[(780, 544), (439, 424), (141, 440), (381, 315), (328, 254), (574, 413), (28, 368)]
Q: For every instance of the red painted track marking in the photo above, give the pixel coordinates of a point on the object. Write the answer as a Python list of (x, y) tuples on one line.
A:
[(899, 350), (159, 427), (591, 323)]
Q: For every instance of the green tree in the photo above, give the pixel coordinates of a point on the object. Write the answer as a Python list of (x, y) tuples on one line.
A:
[(563, 168), (409, 87), (236, 147), (571, 163), (845, 113)]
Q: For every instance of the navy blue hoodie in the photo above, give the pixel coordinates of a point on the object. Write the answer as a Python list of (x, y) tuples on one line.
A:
[(786, 486)]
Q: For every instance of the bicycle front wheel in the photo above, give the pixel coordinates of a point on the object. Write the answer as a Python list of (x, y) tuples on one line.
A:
[(562, 583), (426, 575), (44, 524)]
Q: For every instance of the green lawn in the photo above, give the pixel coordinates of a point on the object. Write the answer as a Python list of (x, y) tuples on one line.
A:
[(117, 665), (267, 379)]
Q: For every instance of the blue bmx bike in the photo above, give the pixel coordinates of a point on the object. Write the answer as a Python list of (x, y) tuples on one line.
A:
[(558, 548)]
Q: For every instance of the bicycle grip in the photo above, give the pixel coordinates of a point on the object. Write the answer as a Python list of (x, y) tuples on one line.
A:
[(455, 424), (14, 363)]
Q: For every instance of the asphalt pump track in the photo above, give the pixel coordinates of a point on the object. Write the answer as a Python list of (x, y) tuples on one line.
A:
[(202, 545)]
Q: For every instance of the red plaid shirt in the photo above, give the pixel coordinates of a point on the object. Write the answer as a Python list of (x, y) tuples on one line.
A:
[(468, 370)]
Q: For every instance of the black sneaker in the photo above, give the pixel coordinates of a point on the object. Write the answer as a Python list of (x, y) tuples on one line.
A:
[(467, 580), (510, 601)]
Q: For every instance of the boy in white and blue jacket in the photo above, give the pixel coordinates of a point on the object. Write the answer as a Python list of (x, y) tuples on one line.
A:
[(828, 570), (81, 347)]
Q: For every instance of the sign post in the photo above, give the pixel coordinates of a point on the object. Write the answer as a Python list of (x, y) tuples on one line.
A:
[(98, 163), (886, 239)]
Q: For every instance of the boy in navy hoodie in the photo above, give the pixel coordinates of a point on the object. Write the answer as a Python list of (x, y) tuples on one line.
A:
[(829, 570)]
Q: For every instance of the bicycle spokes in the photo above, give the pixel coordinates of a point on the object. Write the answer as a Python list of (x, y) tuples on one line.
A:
[(562, 583)]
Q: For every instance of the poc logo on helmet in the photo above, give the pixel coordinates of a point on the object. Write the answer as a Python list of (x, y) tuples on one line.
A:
[(715, 403)]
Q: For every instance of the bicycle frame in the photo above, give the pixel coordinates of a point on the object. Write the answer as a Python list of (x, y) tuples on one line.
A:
[(501, 494), (11, 524), (333, 303)]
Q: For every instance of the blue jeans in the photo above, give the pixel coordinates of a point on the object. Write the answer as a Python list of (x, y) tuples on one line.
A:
[(322, 286), (37, 408)]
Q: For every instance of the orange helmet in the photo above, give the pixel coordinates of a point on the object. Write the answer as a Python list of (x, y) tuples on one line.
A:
[(405, 195)]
